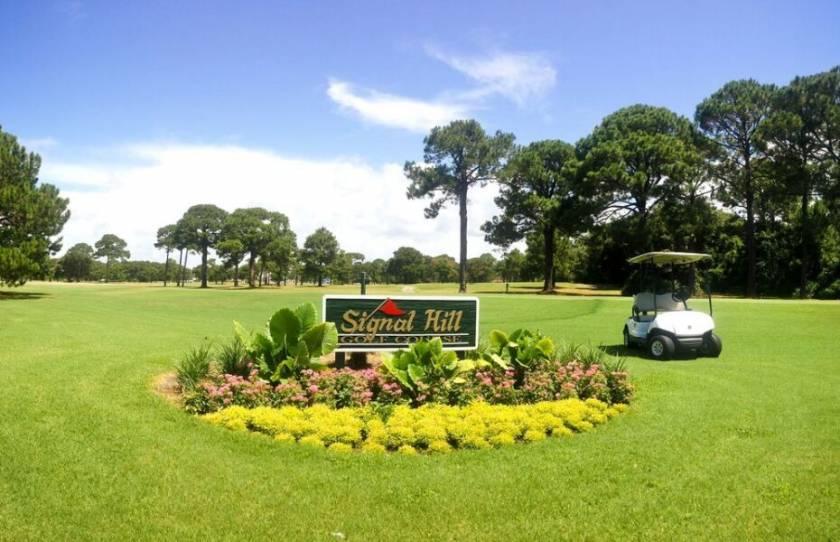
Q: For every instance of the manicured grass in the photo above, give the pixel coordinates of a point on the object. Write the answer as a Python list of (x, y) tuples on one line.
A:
[(742, 447)]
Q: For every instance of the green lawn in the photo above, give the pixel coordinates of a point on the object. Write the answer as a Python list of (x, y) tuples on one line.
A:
[(746, 446)]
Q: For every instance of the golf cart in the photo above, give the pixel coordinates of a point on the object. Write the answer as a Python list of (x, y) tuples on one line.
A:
[(661, 321)]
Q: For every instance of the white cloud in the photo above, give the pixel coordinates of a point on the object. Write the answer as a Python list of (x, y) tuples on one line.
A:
[(394, 111), (147, 186), (39, 144), (520, 77)]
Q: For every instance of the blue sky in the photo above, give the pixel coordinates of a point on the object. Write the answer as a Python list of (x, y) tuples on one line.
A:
[(141, 109)]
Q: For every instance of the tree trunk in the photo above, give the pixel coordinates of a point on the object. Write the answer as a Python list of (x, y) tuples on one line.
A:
[(641, 233), (166, 268), (750, 246), (251, 269), (548, 253), (107, 269), (804, 242), (180, 265), (750, 233), (184, 269), (462, 267), (204, 266), (320, 279), (236, 275)]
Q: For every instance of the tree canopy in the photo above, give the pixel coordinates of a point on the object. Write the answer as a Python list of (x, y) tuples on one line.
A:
[(111, 247), (732, 117), (540, 190), (32, 215), (456, 157), (637, 157), (202, 225), (320, 251)]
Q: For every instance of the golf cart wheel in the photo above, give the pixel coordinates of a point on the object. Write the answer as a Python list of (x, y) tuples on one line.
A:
[(712, 345), (627, 342), (661, 347)]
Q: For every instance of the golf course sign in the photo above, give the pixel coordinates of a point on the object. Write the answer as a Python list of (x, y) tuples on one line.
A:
[(377, 323)]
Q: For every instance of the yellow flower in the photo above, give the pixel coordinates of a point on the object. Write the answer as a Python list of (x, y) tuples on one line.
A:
[(475, 442), (373, 448), (312, 440), (534, 435), (440, 447), (476, 426), (340, 447), (502, 439)]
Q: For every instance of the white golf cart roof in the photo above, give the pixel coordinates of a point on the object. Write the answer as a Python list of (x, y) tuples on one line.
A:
[(666, 257)]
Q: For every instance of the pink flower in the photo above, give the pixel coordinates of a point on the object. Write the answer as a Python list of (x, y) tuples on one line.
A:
[(313, 388)]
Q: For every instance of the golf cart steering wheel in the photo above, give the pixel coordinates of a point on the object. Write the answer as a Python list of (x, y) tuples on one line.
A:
[(679, 297)]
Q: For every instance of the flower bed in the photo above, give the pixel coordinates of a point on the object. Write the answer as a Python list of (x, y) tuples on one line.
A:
[(517, 387), (430, 428)]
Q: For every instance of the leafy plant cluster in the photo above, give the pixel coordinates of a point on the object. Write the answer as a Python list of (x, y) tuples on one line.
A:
[(431, 428), (281, 366)]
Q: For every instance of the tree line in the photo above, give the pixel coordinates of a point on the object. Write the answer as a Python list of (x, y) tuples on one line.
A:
[(754, 179)]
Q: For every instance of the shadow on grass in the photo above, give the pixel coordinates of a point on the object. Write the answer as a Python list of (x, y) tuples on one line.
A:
[(8, 296), (639, 353), (559, 292)]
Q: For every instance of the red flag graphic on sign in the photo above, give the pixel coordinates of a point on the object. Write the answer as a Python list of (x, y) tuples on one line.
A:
[(390, 308)]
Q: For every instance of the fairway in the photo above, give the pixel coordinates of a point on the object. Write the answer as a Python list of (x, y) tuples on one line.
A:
[(741, 447)]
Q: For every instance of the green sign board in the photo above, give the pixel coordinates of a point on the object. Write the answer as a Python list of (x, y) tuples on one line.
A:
[(373, 323)]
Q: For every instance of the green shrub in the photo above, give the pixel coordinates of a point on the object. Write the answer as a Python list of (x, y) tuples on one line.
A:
[(523, 350), (233, 358), (193, 367), (292, 343), (427, 368)]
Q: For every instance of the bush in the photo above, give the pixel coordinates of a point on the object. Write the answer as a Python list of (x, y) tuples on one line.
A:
[(430, 428), (193, 367), (232, 358), (521, 368), (291, 343)]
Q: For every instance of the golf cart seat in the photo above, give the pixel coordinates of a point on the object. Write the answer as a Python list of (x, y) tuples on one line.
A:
[(646, 302)]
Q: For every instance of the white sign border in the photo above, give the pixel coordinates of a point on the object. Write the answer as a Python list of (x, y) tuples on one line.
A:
[(406, 297)]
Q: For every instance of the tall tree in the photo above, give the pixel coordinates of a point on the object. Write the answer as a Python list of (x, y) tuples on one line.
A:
[(167, 241), (203, 226), (31, 215), (407, 266), (732, 117), (443, 268), (510, 265), (539, 190), (282, 242), (456, 157), (481, 269), (320, 251), (636, 157), (802, 139), (255, 228), (76, 263), (184, 246), (232, 252), (282, 250), (111, 248)]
